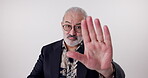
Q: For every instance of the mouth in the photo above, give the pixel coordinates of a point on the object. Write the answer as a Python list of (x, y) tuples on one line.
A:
[(72, 38)]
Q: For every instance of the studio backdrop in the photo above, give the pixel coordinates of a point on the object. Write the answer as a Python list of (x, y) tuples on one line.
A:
[(27, 25)]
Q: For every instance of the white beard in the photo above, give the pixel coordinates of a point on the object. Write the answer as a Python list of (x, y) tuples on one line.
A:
[(71, 42)]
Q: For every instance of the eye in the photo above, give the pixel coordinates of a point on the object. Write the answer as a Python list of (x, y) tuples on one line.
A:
[(67, 26), (78, 27)]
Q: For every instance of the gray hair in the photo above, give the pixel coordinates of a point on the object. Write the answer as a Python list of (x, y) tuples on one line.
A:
[(76, 9)]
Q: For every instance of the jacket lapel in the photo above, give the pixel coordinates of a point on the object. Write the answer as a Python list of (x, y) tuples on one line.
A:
[(82, 70), (56, 59)]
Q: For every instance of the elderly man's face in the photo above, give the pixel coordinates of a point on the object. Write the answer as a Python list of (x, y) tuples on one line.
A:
[(72, 28)]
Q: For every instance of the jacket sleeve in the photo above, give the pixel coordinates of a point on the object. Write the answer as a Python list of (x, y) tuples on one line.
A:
[(37, 71), (119, 73)]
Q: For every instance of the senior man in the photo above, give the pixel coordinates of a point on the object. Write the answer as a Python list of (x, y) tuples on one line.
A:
[(84, 52)]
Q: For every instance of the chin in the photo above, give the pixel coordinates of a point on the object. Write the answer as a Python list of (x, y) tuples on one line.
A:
[(72, 43)]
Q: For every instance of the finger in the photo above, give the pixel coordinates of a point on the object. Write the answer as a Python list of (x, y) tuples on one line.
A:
[(78, 56), (85, 33), (91, 29), (99, 30), (107, 36)]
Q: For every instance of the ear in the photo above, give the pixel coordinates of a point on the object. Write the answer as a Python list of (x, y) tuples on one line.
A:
[(61, 23)]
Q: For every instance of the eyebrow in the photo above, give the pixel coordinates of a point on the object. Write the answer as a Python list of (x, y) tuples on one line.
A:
[(78, 24), (67, 22)]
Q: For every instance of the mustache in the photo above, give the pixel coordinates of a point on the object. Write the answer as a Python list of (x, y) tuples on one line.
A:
[(72, 36)]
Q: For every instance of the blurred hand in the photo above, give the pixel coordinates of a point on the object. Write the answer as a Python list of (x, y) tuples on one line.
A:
[(98, 47)]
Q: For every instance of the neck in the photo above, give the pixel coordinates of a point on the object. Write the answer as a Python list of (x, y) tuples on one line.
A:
[(72, 48)]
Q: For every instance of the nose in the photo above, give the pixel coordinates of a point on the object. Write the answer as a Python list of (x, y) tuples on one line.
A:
[(72, 32)]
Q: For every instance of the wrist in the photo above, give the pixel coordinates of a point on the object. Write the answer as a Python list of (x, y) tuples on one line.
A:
[(107, 73)]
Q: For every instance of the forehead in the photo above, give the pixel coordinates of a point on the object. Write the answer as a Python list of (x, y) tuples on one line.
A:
[(73, 17)]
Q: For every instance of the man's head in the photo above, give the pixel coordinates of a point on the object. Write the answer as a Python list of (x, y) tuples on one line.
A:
[(72, 25)]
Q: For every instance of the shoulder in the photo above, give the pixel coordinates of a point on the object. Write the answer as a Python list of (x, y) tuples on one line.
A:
[(56, 43), (53, 45)]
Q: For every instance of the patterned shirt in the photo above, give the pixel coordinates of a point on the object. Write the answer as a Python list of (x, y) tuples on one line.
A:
[(68, 68)]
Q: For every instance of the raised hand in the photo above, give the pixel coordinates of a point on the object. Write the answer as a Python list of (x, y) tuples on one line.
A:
[(98, 47)]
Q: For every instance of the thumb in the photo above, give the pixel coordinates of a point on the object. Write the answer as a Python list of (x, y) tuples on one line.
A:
[(78, 56)]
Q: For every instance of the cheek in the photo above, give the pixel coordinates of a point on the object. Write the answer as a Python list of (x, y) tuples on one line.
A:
[(65, 33)]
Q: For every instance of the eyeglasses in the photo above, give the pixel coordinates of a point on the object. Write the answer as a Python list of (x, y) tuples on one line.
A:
[(68, 28)]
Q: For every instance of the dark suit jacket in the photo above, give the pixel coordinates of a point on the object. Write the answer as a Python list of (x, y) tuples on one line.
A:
[(49, 61)]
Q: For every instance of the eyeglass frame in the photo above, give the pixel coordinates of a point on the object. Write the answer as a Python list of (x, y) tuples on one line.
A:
[(75, 27)]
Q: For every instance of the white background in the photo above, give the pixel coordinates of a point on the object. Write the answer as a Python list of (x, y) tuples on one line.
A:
[(27, 25)]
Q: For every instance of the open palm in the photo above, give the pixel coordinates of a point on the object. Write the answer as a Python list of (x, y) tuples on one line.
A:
[(98, 47)]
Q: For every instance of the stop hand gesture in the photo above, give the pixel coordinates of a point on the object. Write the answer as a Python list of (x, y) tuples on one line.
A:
[(98, 47)]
